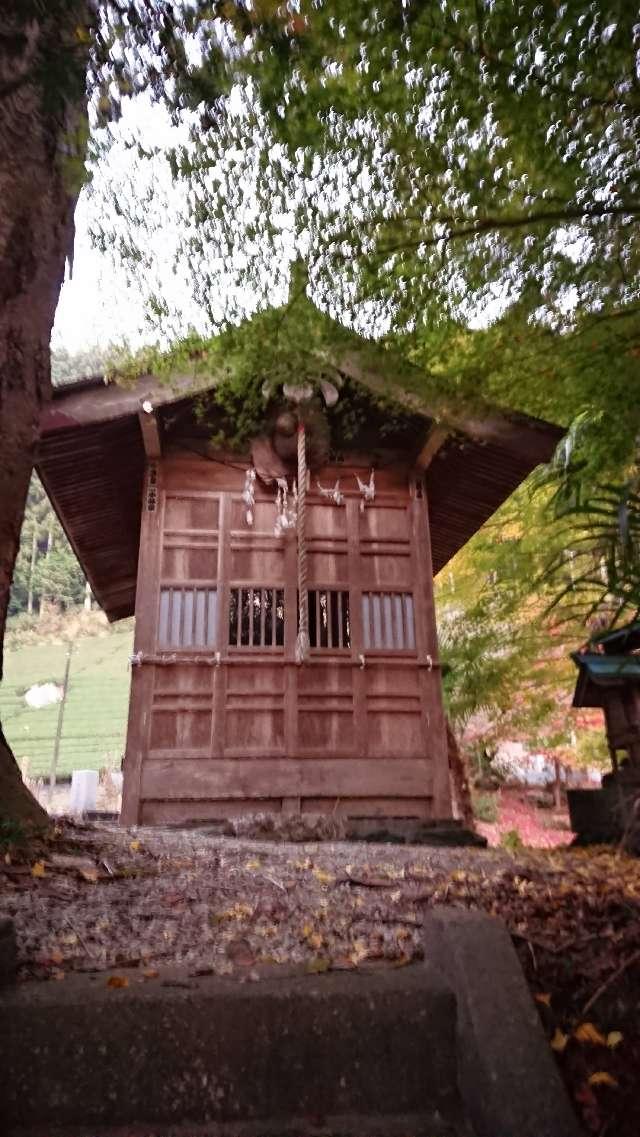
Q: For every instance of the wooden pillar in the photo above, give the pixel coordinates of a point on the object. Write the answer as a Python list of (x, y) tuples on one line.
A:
[(427, 644), (142, 674)]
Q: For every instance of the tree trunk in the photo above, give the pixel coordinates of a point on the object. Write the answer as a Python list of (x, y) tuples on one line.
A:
[(459, 779), (42, 109)]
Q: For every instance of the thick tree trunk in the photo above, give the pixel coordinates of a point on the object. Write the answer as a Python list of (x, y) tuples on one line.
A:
[(39, 128)]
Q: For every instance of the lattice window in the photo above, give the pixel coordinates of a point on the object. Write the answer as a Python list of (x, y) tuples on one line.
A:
[(388, 621), (188, 617), (329, 624), (256, 617)]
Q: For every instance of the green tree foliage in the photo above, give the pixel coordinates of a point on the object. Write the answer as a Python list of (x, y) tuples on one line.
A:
[(431, 157), (47, 570)]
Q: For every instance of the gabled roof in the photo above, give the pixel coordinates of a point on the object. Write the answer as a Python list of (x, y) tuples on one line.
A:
[(92, 458)]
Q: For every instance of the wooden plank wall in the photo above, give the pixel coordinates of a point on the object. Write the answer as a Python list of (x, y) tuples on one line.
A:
[(220, 728)]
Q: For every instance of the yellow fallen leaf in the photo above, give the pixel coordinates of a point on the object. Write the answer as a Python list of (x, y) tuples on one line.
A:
[(38, 869), (323, 877), (253, 864), (360, 952), (317, 966), (134, 846), (89, 874), (614, 1038), (602, 1078), (117, 981), (559, 1041), (587, 1032), (543, 997)]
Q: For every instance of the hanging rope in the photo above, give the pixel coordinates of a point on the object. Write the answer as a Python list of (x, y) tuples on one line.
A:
[(302, 642)]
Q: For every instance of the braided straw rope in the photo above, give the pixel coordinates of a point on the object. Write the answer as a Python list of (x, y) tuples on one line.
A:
[(302, 642)]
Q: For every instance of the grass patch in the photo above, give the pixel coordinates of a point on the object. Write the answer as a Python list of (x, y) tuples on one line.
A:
[(485, 807), (95, 716)]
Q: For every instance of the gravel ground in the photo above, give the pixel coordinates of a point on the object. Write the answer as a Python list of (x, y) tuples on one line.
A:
[(111, 898), (97, 898)]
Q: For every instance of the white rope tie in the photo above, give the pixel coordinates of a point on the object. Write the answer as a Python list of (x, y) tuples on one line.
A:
[(302, 642)]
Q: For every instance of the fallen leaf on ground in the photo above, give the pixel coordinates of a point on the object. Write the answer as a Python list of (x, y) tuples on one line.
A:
[(323, 877), (559, 1041), (38, 869), (543, 997), (150, 973), (317, 966), (89, 874), (253, 864), (587, 1032), (614, 1038), (117, 981), (134, 846), (602, 1078)]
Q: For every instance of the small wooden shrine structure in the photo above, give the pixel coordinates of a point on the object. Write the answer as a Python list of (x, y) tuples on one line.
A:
[(609, 677), (203, 545)]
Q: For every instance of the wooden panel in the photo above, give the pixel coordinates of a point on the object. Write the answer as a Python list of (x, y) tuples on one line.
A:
[(190, 474), (394, 682), (254, 565), (395, 734), (412, 808), (327, 567), (327, 730), (286, 777), (386, 570), (324, 678), (180, 729), (245, 679), (384, 524), (194, 513), (326, 522), (183, 679), (181, 562), (185, 812)]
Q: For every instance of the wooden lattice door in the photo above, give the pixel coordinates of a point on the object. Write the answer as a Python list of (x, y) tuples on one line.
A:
[(222, 718)]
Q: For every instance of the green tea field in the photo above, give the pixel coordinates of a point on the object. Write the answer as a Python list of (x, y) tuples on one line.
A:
[(95, 713)]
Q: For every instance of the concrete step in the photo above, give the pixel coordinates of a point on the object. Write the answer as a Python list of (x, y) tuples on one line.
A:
[(338, 1053)]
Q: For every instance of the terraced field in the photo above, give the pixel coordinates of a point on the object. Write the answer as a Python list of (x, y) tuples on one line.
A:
[(95, 713)]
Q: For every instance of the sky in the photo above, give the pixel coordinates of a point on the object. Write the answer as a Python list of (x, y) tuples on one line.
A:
[(96, 305)]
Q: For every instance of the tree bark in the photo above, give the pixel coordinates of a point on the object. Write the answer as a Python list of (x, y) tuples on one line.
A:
[(459, 779), (42, 111)]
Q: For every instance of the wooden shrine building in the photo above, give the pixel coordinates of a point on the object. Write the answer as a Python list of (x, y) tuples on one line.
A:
[(203, 545)]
